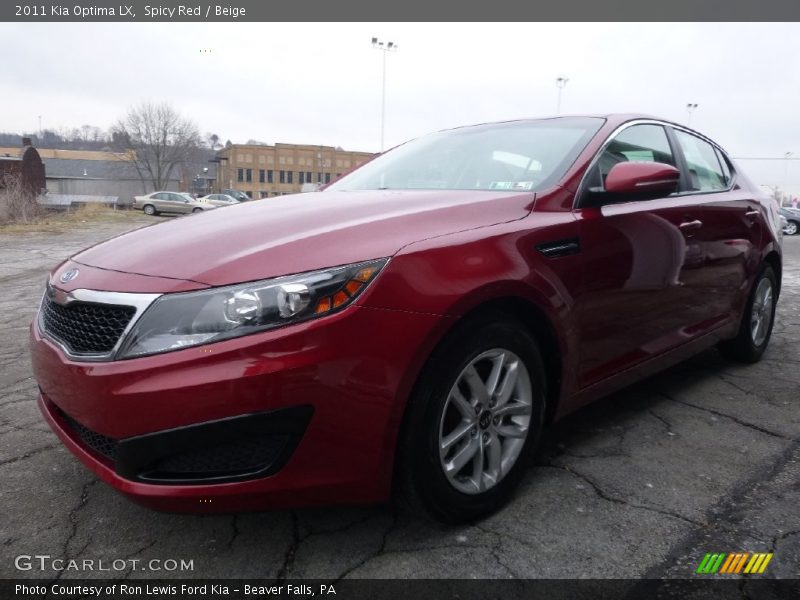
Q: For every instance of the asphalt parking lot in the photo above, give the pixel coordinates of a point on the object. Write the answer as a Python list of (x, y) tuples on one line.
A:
[(702, 458)]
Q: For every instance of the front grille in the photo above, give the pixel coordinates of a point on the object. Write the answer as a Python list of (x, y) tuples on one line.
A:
[(235, 457), (86, 327), (96, 441)]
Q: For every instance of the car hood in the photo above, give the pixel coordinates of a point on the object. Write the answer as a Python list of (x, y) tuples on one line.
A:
[(297, 233)]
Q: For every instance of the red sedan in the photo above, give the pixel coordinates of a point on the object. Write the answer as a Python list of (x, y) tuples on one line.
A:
[(415, 325)]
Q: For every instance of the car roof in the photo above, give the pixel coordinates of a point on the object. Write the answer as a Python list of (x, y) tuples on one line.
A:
[(612, 121)]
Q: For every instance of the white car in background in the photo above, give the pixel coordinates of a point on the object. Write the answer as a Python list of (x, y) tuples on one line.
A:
[(220, 200), (170, 202)]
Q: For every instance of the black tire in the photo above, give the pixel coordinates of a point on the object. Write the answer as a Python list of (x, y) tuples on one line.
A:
[(149, 209), (422, 480), (744, 348), (197, 210)]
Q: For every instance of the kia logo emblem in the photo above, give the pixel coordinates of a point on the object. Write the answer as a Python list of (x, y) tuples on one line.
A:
[(69, 275)]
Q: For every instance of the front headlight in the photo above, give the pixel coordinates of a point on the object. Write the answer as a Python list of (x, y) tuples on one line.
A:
[(176, 321)]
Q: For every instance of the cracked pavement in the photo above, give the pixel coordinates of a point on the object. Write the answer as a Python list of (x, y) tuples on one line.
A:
[(703, 457)]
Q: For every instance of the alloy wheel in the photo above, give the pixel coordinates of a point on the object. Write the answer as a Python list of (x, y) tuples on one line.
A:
[(485, 421)]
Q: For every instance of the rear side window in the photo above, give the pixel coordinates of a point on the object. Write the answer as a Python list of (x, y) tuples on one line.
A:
[(705, 171), (726, 169)]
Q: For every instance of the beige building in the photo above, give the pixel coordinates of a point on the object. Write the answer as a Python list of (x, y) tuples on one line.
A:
[(263, 171)]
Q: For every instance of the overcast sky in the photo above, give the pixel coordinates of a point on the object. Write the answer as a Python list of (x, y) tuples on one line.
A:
[(321, 83)]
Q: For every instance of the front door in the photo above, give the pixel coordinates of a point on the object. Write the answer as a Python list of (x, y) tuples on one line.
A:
[(640, 259)]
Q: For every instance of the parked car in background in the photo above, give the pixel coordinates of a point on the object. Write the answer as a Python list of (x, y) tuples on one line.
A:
[(415, 324), (238, 194), (792, 216), (170, 202), (220, 199)]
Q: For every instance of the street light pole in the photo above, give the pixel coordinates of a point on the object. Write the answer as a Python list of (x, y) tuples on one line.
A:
[(786, 158), (385, 47), (689, 109), (560, 83)]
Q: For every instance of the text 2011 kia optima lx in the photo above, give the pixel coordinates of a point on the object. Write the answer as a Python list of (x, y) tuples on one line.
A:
[(415, 325)]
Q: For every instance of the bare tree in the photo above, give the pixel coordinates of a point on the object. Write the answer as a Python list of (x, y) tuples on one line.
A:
[(157, 141)]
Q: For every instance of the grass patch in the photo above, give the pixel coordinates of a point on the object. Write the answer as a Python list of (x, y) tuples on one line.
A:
[(76, 218)]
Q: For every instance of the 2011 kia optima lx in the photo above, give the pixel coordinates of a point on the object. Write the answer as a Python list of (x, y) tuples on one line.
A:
[(417, 323)]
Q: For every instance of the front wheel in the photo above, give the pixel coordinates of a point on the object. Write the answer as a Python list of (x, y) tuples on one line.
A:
[(791, 228), (474, 419), (755, 328), (197, 210)]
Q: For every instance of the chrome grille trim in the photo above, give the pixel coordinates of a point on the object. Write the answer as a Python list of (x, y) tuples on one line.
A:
[(140, 302)]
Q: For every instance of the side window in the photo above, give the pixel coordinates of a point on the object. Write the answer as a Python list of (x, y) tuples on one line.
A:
[(705, 172), (159, 196), (726, 168), (642, 143)]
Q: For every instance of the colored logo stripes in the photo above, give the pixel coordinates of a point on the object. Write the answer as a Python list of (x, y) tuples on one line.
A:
[(734, 562)]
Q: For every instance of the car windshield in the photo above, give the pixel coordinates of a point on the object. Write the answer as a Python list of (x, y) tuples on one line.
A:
[(521, 155)]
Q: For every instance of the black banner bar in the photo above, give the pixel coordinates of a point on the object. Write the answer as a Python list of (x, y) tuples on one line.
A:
[(371, 589), (152, 11)]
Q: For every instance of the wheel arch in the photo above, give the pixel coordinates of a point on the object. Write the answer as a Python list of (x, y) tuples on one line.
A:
[(538, 323), (535, 319)]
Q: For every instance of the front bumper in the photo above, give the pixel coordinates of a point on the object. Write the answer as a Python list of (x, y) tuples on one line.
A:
[(333, 390)]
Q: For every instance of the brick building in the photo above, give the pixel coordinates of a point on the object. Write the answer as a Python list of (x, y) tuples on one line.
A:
[(262, 171)]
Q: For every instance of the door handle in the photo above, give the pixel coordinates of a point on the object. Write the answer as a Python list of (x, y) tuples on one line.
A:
[(752, 213), (689, 225)]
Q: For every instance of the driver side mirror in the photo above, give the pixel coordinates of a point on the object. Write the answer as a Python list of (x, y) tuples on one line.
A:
[(642, 179)]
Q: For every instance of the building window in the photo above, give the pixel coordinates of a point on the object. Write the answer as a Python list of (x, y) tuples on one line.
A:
[(319, 177), (302, 177), (240, 175), (264, 194), (261, 176), (289, 176), (283, 176), (327, 177), (269, 176), (308, 176), (249, 175)]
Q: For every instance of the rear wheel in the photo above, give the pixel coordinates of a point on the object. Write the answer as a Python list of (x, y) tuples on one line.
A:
[(474, 419), (149, 209), (755, 328), (197, 210), (791, 228)]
